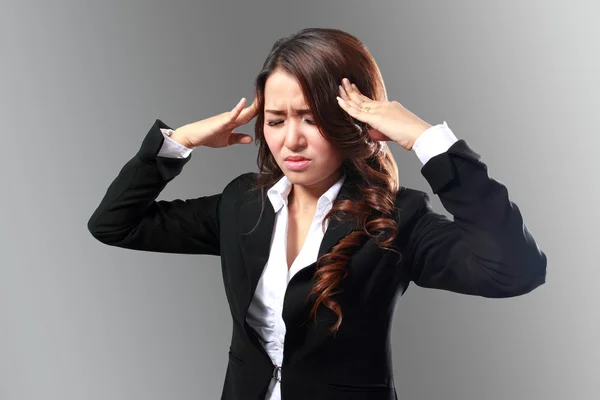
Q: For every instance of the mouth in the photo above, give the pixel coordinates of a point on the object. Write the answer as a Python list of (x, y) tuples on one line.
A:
[(296, 163), (296, 158)]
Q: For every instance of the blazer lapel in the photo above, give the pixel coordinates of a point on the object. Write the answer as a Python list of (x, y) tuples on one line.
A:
[(255, 241), (255, 232), (296, 294), (336, 230)]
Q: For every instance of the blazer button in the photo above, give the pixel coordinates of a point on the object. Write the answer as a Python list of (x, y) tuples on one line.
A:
[(277, 373)]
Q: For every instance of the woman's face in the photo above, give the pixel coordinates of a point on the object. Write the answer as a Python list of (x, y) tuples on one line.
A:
[(290, 130)]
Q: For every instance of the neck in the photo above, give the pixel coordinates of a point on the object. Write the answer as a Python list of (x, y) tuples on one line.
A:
[(303, 198)]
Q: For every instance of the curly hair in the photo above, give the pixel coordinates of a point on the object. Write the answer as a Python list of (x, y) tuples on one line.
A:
[(319, 58)]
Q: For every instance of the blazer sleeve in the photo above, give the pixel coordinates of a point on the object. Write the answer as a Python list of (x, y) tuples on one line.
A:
[(129, 216), (486, 250)]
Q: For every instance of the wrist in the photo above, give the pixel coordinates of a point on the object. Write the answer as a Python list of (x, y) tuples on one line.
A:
[(179, 138), (417, 132)]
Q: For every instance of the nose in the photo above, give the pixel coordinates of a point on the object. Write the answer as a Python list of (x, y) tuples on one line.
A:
[(294, 138)]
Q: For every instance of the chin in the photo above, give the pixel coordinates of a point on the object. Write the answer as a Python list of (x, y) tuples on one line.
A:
[(304, 178)]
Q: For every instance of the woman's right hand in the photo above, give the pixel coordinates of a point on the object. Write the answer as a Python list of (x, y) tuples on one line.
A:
[(217, 131)]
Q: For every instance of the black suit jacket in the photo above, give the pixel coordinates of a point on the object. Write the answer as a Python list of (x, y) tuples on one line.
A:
[(486, 251)]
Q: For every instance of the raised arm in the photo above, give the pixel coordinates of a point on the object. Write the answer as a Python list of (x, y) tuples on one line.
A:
[(129, 216), (486, 250)]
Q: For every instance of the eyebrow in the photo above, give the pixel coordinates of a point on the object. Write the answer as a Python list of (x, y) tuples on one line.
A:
[(282, 112)]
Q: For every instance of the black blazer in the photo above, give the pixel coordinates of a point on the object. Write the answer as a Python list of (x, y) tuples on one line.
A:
[(486, 251)]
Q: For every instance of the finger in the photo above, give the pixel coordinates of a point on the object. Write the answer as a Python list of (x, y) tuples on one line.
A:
[(376, 135), (343, 93), (247, 113), (362, 106), (367, 102), (362, 96), (354, 93), (355, 89), (351, 93), (354, 111), (233, 114), (239, 138)]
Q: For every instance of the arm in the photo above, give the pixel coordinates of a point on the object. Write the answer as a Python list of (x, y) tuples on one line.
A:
[(486, 250), (129, 216)]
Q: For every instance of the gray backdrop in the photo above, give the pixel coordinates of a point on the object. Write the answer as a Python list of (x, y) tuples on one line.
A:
[(82, 82)]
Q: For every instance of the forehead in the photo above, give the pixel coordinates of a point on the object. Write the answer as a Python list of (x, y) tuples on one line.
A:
[(283, 90)]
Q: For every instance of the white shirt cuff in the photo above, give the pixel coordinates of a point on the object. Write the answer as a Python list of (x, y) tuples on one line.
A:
[(435, 140), (172, 148)]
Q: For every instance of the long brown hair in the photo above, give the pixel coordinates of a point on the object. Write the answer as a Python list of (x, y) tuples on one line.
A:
[(319, 58)]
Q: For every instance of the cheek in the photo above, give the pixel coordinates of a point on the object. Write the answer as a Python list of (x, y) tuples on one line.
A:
[(273, 143), (329, 155)]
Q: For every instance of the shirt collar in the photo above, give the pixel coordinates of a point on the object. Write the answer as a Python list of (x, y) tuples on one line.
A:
[(278, 193)]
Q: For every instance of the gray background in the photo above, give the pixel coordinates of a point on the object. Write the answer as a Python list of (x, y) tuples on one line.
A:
[(82, 82)]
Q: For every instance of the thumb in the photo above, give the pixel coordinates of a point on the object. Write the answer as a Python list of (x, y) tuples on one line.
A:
[(377, 135), (240, 138)]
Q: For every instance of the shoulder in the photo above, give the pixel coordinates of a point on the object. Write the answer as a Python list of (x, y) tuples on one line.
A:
[(236, 192), (408, 195), (411, 202), (240, 185)]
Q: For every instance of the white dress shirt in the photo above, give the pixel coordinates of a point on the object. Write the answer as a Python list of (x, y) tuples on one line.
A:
[(265, 311)]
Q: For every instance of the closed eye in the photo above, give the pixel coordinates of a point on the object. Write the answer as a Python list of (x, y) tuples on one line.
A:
[(273, 123)]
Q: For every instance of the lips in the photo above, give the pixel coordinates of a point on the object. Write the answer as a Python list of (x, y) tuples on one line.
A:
[(297, 165), (295, 158)]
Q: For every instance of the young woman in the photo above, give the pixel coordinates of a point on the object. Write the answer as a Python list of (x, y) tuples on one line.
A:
[(316, 247)]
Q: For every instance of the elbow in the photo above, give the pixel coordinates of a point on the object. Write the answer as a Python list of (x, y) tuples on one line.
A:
[(538, 272), (92, 227), (95, 230), (529, 284), (103, 234), (532, 274), (535, 272)]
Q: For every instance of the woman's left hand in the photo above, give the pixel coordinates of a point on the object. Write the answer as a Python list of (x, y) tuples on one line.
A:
[(389, 120)]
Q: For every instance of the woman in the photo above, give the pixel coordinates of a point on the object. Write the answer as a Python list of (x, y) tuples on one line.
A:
[(316, 247)]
